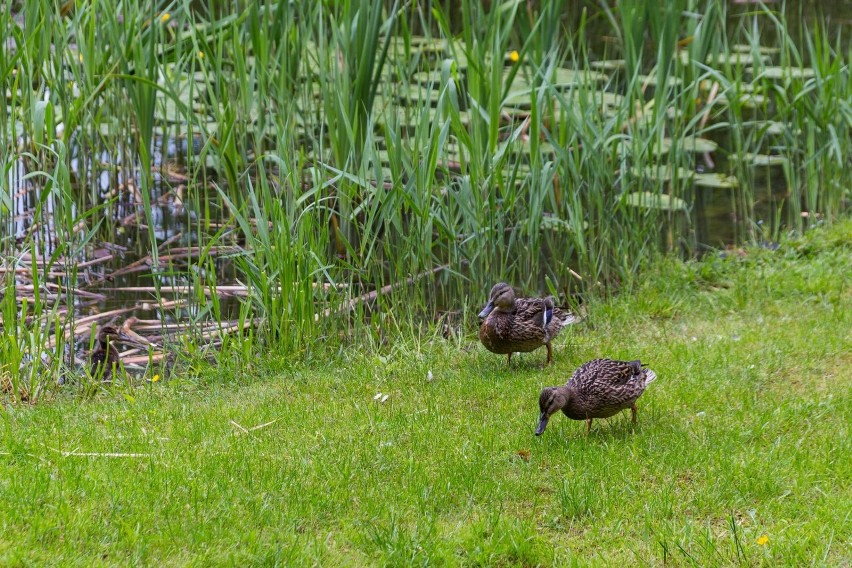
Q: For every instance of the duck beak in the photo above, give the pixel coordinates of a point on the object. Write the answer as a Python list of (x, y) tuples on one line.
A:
[(542, 424), (489, 307)]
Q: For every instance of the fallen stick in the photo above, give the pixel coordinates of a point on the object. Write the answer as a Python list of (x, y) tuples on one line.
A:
[(103, 455), (370, 296)]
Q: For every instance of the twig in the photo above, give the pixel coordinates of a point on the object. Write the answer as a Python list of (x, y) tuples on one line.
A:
[(370, 296)]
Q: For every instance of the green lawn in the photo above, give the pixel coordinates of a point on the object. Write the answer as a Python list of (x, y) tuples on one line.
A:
[(744, 435)]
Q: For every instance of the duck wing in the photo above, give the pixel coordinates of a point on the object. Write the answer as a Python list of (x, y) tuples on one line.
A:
[(607, 373), (533, 310)]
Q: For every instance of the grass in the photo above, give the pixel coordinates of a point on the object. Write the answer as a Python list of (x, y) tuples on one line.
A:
[(744, 435)]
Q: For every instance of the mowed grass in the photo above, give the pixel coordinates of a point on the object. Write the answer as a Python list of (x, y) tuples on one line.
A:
[(741, 455)]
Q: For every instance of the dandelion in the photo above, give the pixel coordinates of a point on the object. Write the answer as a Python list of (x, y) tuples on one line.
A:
[(165, 17), (514, 56), (155, 378), (200, 55), (763, 540)]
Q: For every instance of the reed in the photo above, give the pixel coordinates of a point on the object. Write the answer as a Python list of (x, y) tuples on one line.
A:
[(347, 147)]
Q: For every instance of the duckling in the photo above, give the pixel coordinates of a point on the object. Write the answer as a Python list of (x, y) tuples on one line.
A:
[(509, 324), (104, 357), (598, 389)]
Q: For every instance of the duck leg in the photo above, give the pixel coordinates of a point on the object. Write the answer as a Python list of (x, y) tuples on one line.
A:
[(588, 426), (549, 353), (509, 359), (633, 412)]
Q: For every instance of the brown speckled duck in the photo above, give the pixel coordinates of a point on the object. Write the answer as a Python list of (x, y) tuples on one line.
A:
[(598, 389), (104, 357), (511, 324)]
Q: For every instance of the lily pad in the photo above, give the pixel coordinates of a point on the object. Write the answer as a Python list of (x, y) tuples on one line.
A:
[(772, 128), (777, 73), (414, 95), (553, 223), (747, 100), (736, 58), (563, 78), (661, 202), (651, 80), (715, 181), (427, 78), (608, 65), (766, 160), (661, 173), (762, 49), (688, 144)]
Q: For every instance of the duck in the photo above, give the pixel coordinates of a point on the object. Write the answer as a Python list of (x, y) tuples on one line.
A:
[(509, 324), (598, 389), (104, 357)]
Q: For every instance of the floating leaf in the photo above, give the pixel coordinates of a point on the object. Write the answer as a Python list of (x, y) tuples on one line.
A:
[(776, 73), (736, 58), (652, 80), (554, 223), (772, 127), (762, 49), (715, 181), (648, 200), (661, 173), (413, 95), (687, 144), (608, 65), (761, 159)]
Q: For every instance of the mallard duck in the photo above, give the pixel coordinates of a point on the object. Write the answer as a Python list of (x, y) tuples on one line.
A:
[(510, 324), (598, 389), (104, 357)]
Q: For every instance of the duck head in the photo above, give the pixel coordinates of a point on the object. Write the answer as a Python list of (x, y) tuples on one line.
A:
[(502, 297), (550, 401)]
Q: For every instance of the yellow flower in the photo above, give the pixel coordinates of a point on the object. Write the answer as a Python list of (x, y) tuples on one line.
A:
[(763, 540), (514, 56), (80, 56), (200, 55), (155, 378), (165, 17)]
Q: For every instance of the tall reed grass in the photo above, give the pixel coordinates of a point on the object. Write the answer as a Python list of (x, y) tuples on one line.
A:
[(353, 145)]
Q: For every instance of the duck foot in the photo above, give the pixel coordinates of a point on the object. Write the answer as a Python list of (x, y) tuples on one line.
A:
[(549, 353)]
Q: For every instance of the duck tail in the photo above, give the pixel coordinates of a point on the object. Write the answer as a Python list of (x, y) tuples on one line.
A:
[(569, 319), (649, 376)]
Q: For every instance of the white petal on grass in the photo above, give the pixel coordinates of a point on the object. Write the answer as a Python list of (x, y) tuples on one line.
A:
[(384, 398), (378, 396), (429, 376)]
